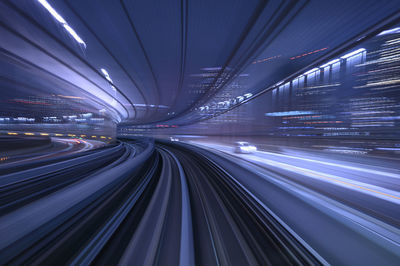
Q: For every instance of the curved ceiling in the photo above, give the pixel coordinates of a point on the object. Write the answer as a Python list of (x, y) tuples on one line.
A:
[(151, 61)]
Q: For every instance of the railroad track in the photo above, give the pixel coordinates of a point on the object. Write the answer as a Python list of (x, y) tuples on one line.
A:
[(140, 203)]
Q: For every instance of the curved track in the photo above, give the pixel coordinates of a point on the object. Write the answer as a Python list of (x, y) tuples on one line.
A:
[(142, 203)]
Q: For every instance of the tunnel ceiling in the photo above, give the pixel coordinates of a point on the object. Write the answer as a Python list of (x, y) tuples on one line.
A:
[(159, 61)]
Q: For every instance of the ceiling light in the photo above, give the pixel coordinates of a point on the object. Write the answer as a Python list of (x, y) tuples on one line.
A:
[(60, 19), (52, 11), (74, 35)]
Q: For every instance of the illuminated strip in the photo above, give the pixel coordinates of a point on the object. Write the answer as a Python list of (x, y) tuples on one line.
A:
[(290, 113), (105, 73), (311, 71), (353, 53), (52, 11), (365, 170), (60, 19), (74, 34), (330, 63), (29, 134), (44, 134), (319, 175), (12, 133), (391, 31), (70, 97), (59, 135)]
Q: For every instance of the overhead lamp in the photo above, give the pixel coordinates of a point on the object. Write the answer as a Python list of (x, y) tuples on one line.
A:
[(105, 73), (74, 35), (52, 11), (60, 19)]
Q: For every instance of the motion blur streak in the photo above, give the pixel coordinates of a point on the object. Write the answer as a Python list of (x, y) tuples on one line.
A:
[(138, 178), (139, 197), (229, 132)]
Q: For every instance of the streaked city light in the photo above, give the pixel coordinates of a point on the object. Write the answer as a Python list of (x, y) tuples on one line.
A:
[(391, 31), (290, 113), (334, 61), (353, 53), (311, 71)]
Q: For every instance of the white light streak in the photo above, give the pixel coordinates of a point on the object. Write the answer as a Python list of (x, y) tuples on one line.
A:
[(104, 72), (60, 19), (330, 63), (74, 35), (311, 71), (107, 76), (391, 31), (52, 11), (353, 53)]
